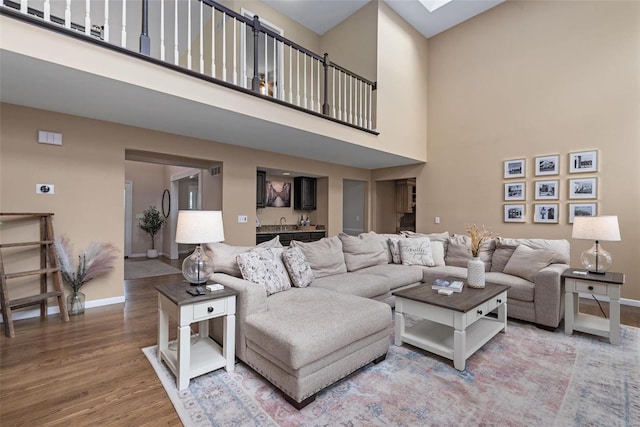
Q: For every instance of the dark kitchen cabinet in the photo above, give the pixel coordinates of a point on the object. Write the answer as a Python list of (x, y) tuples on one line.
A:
[(261, 188), (304, 193)]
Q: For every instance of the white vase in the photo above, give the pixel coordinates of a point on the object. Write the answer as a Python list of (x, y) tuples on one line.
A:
[(475, 273)]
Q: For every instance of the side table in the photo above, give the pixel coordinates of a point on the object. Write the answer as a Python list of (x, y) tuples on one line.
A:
[(608, 285), (189, 361)]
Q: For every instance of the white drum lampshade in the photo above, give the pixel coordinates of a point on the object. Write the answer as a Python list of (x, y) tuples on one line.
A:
[(605, 228), (198, 227)]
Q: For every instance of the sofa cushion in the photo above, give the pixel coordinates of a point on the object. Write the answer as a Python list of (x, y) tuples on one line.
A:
[(560, 248), (383, 240), (526, 262), (447, 271), (324, 256), (278, 332), (521, 289), (360, 284), (298, 267), (224, 256), (264, 267), (397, 275), (416, 251), (459, 251), (363, 251), (437, 251), (501, 256)]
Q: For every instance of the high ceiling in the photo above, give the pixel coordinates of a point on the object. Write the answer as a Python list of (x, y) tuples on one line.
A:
[(322, 15)]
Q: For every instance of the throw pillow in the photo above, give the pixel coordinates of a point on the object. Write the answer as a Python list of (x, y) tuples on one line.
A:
[(560, 248), (394, 248), (437, 237), (501, 256), (416, 251), (264, 267), (224, 256), (363, 251), (458, 250), (324, 256), (298, 267), (526, 262)]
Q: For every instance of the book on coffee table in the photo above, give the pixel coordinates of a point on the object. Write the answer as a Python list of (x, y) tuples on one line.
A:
[(453, 285)]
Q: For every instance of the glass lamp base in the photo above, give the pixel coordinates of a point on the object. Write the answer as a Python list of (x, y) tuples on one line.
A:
[(197, 267), (596, 259)]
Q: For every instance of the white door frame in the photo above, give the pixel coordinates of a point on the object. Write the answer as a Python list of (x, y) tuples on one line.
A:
[(173, 216), (128, 216)]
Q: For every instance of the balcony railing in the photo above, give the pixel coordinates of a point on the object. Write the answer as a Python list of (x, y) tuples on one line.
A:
[(210, 40)]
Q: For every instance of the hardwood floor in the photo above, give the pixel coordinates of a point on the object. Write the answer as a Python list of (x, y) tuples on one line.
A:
[(91, 371)]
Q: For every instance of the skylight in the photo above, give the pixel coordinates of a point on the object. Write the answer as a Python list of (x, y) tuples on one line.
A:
[(432, 5)]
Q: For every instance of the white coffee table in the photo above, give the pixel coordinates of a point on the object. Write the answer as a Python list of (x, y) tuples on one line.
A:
[(454, 326)]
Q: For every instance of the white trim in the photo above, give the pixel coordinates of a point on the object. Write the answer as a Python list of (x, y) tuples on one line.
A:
[(28, 314), (128, 216), (623, 301)]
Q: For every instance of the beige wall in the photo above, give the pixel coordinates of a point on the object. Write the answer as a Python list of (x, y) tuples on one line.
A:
[(402, 88), (88, 172), (532, 78)]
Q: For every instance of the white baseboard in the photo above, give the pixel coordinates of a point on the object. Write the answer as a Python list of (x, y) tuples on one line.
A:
[(53, 309), (623, 301)]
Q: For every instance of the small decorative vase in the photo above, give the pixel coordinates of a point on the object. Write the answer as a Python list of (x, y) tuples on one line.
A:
[(475, 273), (75, 303)]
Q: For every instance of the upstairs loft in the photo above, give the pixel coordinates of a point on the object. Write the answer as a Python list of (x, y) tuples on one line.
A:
[(195, 68)]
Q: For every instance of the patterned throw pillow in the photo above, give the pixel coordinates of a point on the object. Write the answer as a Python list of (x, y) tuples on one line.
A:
[(298, 267), (264, 267), (416, 251), (394, 248)]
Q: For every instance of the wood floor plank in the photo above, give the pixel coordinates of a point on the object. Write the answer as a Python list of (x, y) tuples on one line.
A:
[(91, 371)]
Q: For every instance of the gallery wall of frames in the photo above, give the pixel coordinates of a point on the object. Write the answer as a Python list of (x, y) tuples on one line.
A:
[(544, 183)]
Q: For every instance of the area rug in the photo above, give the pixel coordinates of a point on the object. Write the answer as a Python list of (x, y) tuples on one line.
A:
[(526, 376), (147, 268)]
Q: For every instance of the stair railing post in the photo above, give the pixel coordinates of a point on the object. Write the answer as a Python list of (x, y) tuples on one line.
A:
[(255, 83), (325, 103), (145, 42)]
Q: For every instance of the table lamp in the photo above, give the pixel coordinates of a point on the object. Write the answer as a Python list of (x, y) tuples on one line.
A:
[(197, 227), (596, 260)]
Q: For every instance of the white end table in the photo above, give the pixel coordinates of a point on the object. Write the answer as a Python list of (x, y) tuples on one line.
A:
[(189, 361), (608, 284)]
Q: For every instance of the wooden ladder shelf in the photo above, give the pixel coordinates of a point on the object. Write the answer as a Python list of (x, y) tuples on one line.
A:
[(48, 268)]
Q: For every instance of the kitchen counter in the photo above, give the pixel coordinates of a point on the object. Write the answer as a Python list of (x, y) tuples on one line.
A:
[(288, 233), (276, 229)]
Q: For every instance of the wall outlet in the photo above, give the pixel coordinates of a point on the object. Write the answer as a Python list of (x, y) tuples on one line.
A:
[(45, 189), (242, 219)]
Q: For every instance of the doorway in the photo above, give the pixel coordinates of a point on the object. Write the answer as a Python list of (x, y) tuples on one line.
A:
[(270, 58), (187, 186), (353, 206)]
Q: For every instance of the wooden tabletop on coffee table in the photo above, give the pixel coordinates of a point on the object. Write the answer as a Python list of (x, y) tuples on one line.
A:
[(458, 301)]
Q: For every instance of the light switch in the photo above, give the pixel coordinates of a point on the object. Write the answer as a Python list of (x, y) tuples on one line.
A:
[(437, 220), (242, 219)]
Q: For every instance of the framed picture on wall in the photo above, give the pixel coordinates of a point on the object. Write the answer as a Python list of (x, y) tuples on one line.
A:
[(514, 213), (548, 165), (583, 188), (514, 191), (583, 161), (582, 209), (547, 190), (278, 194), (514, 168), (545, 213)]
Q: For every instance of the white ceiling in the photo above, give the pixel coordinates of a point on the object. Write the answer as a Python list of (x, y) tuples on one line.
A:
[(322, 15)]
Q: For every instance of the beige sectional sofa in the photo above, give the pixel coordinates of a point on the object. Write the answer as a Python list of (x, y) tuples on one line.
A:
[(331, 314)]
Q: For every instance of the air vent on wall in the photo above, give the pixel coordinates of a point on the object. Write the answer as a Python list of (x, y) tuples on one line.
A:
[(215, 170)]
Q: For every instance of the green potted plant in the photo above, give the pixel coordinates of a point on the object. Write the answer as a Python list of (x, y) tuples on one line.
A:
[(151, 222)]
